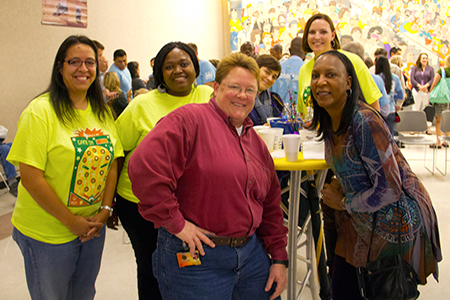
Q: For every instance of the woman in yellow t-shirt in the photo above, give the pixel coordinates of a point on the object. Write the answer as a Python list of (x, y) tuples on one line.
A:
[(319, 37), (175, 70), (66, 145)]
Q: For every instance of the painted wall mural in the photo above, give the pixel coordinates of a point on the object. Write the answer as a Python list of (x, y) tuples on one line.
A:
[(375, 24)]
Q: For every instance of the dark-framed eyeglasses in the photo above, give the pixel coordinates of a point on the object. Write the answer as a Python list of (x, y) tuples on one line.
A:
[(238, 89), (75, 62)]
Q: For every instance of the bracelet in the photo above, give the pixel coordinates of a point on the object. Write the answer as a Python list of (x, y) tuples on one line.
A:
[(106, 207), (281, 262)]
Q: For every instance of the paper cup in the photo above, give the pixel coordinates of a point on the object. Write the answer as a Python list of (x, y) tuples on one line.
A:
[(308, 135), (291, 144), (278, 141), (268, 136), (260, 127)]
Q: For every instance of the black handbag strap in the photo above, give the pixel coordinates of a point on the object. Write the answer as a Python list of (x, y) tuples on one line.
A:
[(374, 225)]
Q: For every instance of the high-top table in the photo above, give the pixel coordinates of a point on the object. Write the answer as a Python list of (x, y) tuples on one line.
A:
[(296, 168)]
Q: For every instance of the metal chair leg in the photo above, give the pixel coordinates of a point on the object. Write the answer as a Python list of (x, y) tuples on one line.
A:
[(5, 181), (445, 164), (434, 160)]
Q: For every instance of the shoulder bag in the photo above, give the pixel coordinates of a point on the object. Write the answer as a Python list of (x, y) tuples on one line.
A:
[(409, 99), (441, 92), (389, 278)]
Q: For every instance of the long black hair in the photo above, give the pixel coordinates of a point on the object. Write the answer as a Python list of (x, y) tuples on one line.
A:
[(161, 56), (132, 67), (321, 116), (59, 94), (382, 66)]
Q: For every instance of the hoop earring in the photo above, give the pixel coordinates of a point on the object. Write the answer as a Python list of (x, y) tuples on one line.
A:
[(162, 88), (349, 92), (333, 44)]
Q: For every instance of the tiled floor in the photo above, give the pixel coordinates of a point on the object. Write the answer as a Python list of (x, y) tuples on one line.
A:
[(117, 275)]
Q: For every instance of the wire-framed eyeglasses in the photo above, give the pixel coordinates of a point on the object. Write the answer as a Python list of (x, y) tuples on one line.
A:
[(75, 62), (238, 89)]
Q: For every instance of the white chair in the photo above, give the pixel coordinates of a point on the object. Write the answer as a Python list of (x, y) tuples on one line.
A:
[(5, 181), (445, 127), (415, 121)]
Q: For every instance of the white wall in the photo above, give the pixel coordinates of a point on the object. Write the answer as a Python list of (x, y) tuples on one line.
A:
[(140, 27)]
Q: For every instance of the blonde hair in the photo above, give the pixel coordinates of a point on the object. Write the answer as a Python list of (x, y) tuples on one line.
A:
[(111, 82), (447, 61), (234, 60), (397, 60), (140, 91)]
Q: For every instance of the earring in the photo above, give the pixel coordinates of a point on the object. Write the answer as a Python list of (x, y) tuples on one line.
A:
[(162, 88), (333, 44), (349, 92)]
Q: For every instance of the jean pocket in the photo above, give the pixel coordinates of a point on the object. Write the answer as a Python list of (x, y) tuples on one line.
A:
[(171, 243)]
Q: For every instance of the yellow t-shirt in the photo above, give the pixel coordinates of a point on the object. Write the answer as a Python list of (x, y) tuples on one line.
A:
[(75, 160), (140, 116), (369, 88)]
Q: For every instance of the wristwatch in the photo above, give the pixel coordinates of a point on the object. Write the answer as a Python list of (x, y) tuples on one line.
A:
[(281, 262)]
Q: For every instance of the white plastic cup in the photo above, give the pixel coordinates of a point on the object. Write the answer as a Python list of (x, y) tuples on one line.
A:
[(278, 141), (260, 127), (268, 136), (308, 135), (291, 144)]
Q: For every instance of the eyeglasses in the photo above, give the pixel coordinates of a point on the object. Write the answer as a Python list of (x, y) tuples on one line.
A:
[(238, 89), (89, 63)]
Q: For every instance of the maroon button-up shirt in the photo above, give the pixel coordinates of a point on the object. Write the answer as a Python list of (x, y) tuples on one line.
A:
[(193, 165)]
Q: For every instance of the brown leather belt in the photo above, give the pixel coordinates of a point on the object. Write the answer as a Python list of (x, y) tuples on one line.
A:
[(228, 241)]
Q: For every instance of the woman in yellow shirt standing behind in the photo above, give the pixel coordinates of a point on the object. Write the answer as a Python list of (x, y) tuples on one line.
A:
[(175, 70)]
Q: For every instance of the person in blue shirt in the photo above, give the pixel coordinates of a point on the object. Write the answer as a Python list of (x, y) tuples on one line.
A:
[(10, 170), (207, 71), (288, 80), (393, 88), (120, 68)]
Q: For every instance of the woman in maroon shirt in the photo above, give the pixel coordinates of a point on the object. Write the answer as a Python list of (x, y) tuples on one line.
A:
[(206, 179)]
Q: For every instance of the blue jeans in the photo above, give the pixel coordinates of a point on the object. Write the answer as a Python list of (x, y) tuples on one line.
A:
[(225, 273), (10, 170), (61, 271), (390, 120)]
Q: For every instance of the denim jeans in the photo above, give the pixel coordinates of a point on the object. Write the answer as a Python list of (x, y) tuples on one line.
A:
[(390, 120), (10, 170), (225, 273), (61, 271), (143, 236)]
